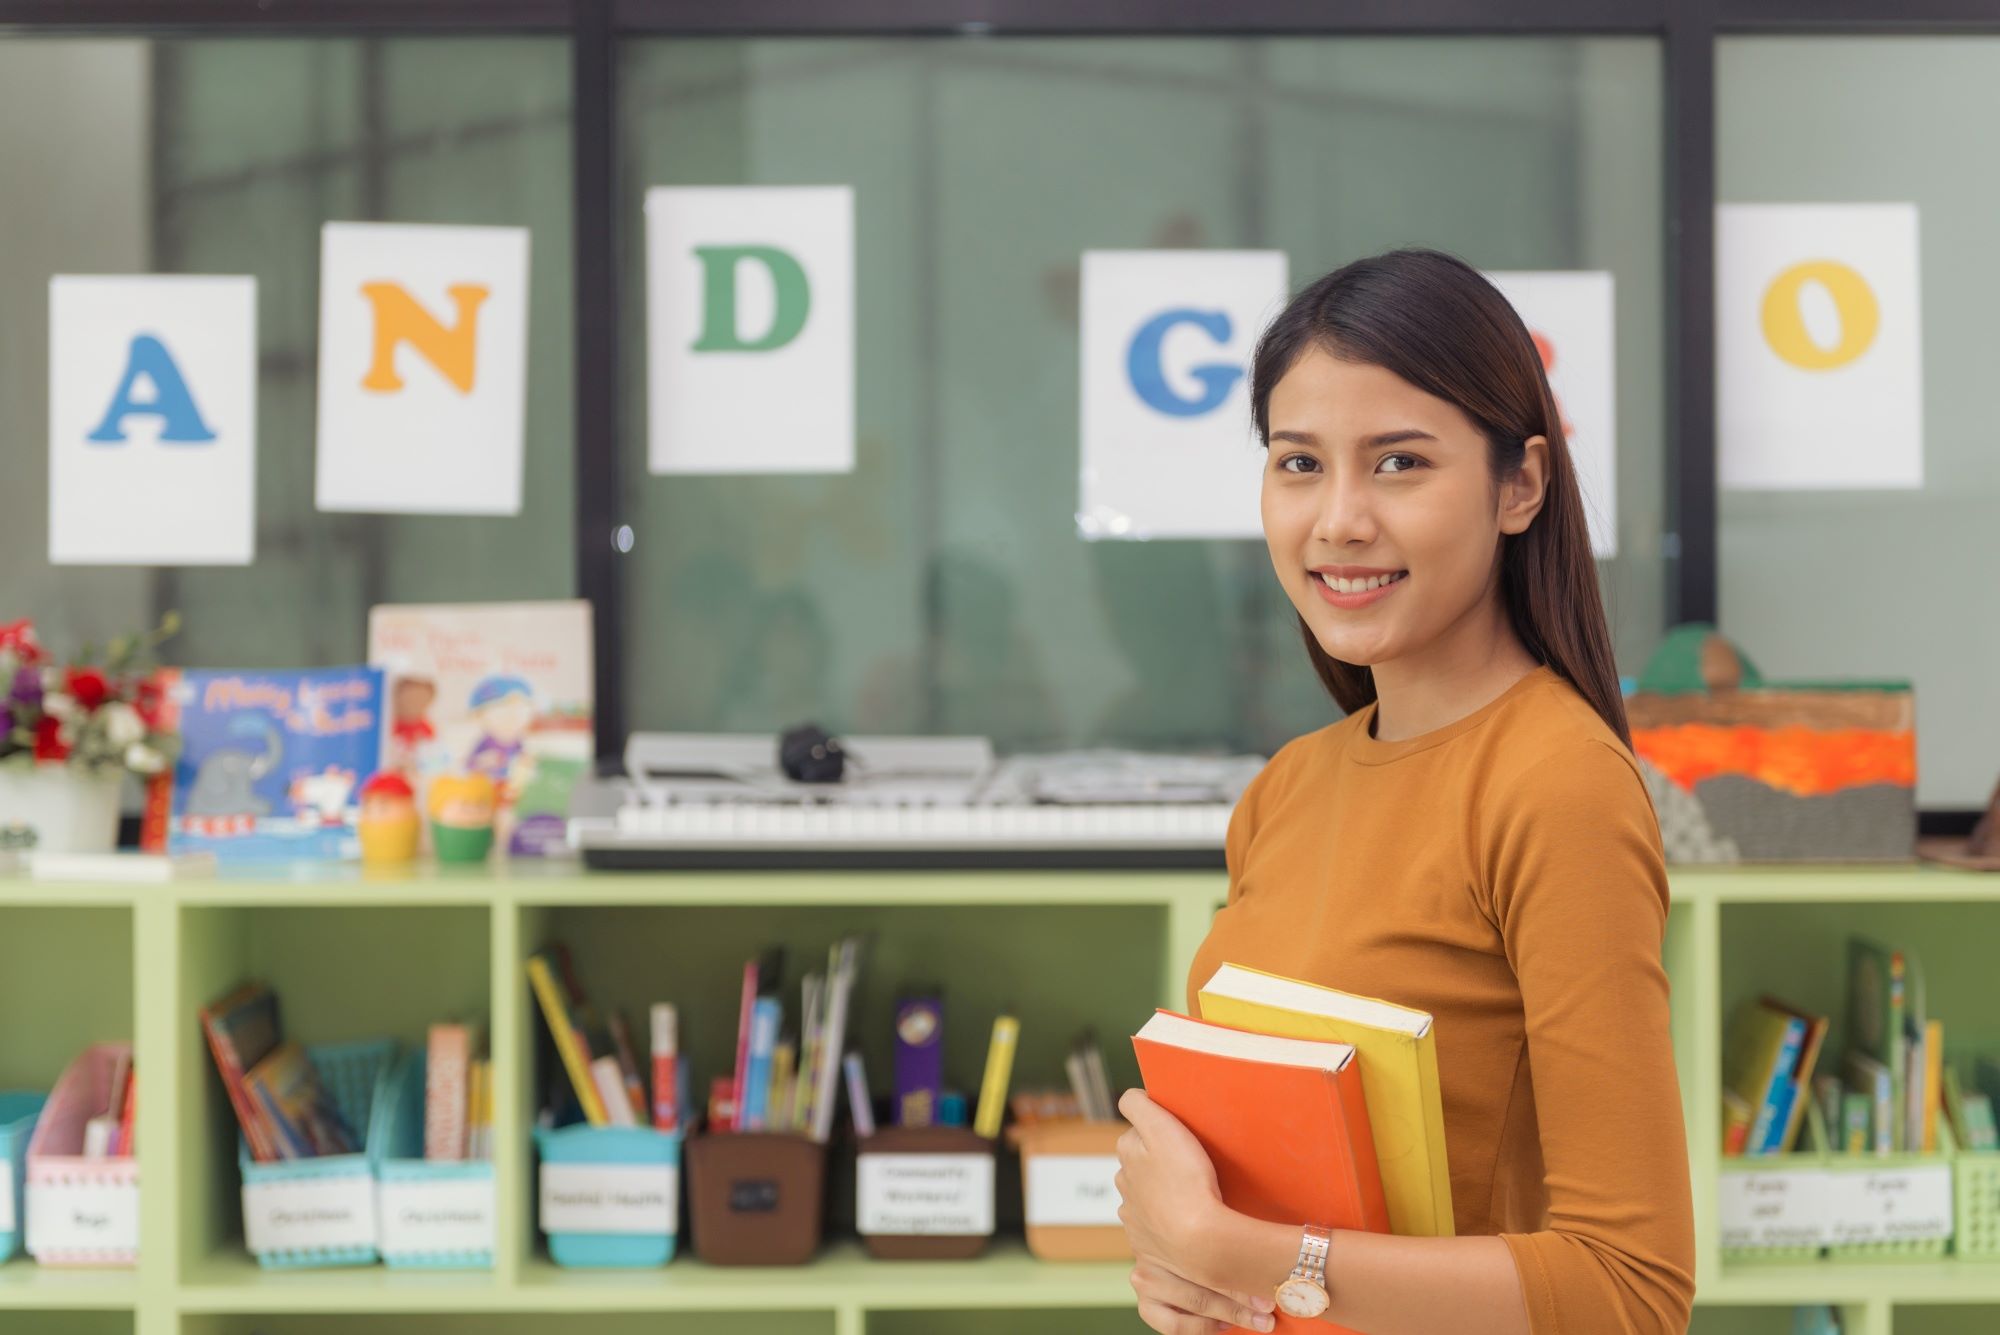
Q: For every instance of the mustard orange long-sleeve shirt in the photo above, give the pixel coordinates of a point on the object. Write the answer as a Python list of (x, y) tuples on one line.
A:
[(1504, 873)]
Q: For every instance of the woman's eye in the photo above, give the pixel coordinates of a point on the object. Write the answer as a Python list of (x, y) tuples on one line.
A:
[(1306, 461), (1407, 462)]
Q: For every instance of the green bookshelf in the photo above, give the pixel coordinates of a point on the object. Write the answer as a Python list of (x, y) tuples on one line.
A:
[(357, 956)]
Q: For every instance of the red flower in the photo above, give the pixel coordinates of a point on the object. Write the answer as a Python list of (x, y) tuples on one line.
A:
[(18, 638), (87, 687), (49, 745)]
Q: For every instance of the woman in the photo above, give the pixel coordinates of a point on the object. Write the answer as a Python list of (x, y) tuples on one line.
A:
[(1473, 839)]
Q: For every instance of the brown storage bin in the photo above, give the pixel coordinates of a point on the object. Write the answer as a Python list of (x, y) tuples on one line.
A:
[(754, 1197), (1087, 1190), (974, 1207)]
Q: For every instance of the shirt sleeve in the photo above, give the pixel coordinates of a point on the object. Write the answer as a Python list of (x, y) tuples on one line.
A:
[(1579, 890)]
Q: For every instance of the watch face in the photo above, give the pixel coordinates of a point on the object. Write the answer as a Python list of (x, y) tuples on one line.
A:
[(1303, 1298)]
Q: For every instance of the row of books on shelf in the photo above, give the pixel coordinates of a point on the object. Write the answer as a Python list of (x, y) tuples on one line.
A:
[(286, 1112), (1892, 1087), (785, 1078)]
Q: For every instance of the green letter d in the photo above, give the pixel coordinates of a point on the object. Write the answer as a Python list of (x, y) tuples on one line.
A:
[(718, 326)]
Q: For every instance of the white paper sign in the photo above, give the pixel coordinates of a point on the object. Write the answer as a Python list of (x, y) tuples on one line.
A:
[(610, 1198), (1168, 447), (1570, 317), (423, 361), (925, 1194), (310, 1213), (750, 329), (152, 420), (1819, 357), (446, 1215), (83, 1217), (1774, 1209), (1895, 1205), (1072, 1189), (6, 1195)]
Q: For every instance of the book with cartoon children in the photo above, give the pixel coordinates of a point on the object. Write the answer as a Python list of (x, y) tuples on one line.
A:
[(503, 689), (270, 765)]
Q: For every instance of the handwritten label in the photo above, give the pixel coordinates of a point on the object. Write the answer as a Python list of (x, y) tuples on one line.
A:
[(313, 1213), (907, 1195), (1893, 1205), (83, 1216), (442, 1216), (1774, 1209), (1072, 1189), (610, 1198), (6, 1195)]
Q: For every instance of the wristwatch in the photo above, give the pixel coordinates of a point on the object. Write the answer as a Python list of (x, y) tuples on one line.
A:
[(1303, 1294)]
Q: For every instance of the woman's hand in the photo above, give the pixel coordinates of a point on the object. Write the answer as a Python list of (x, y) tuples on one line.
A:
[(1170, 1206)]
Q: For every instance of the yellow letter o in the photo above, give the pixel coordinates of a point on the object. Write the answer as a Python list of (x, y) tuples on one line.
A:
[(1853, 300)]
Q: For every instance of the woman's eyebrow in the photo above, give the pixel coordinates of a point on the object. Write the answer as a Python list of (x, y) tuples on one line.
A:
[(1404, 436), (1381, 440)]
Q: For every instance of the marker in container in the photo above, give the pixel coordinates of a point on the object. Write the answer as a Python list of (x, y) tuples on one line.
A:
[(666, 1056), (857, 1096)]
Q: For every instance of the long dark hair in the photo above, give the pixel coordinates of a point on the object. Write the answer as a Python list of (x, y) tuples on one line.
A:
[(1438, 323)]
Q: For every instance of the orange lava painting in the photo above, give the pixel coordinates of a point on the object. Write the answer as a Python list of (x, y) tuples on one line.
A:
[(1804, 761)]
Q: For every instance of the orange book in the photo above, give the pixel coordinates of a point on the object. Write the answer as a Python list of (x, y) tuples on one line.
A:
[(1283, 1119)]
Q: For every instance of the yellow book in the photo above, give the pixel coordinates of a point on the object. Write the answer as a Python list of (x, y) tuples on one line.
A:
[(574, 1059), (1399, 1078)]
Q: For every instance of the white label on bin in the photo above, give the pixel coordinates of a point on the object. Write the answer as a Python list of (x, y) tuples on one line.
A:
[(310, 1213), (1774, 1209), (454, 1215), (908, 1195), (1893, 1205), (83, 1217), (610, 1198), (6, 1196), (1072, 1189)]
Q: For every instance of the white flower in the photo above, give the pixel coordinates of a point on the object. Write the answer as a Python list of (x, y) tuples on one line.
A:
[(143, 759), (122, 725), (59, 704)]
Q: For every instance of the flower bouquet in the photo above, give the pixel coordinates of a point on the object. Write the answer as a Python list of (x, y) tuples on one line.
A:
[(69, 730)]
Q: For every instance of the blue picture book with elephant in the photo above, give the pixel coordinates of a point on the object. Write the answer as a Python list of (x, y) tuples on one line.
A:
[(270, 765)]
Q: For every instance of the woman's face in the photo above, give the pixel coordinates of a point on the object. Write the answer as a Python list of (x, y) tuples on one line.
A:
[(1387, 490)]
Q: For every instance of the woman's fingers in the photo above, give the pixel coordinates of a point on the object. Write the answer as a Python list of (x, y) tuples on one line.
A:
[(1172, 1321), (1154, 1283)]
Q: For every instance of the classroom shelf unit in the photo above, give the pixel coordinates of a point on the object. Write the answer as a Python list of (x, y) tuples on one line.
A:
[(356, 955)]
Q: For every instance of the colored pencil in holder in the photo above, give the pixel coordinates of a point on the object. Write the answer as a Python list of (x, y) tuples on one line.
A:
[(925, 1193), (608, 1196), (1068, 1193), (310, 1213), (432, 1214), (756, 1197)]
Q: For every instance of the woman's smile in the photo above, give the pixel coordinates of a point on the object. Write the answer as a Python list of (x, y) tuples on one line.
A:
[(1350, 587)]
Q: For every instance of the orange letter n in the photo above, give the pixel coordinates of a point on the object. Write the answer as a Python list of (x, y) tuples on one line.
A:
[(399, 319)]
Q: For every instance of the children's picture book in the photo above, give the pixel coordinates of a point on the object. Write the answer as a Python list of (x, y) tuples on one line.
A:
[(499, 688), (271, 763), (290, 1097)]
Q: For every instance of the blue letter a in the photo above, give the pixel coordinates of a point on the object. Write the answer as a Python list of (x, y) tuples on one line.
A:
[(180, 420), (1149, 379)]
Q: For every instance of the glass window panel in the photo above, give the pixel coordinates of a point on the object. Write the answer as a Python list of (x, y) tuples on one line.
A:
[(227, 156), (1875, 584), (941, 586)]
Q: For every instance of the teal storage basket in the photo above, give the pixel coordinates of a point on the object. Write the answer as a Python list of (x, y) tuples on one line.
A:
[(322, 1212), (17, 1123), (433, 1215), (638, 1216)]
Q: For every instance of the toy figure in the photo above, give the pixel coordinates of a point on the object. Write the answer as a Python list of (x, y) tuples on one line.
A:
[(389, 825), (461, 809)]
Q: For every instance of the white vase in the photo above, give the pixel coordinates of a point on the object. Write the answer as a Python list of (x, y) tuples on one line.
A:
[(67, 808)]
